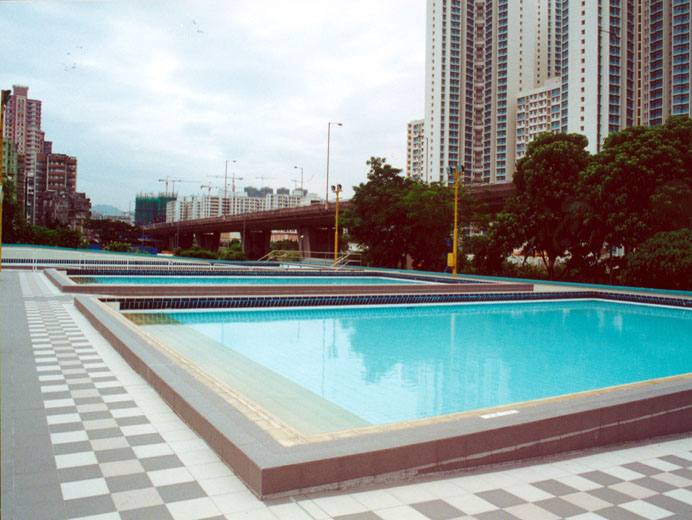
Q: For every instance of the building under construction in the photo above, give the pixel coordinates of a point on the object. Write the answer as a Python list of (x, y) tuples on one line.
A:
[(150, 208)]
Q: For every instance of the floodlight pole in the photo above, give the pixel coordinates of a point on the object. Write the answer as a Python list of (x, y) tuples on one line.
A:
[(336, 189), (4, 98), (456, 217)]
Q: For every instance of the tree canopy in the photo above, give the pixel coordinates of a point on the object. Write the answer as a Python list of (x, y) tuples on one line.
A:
[(393, 216), (540, 216)]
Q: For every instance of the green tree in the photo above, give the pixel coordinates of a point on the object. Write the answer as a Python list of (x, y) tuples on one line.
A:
[(540, 217), (663, 261), (233, 251), (105, 231), (640, 183), (392, 216), (14, 226), (377, 215), (429, 221)]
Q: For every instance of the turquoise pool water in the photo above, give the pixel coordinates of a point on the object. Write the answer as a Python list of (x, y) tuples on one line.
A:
[(241, 280), (394, 364)]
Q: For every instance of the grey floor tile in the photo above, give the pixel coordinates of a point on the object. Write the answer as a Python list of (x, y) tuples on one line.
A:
[(161, 462), (90, 506), (670, 504), (79, 473), (117, 405), (674, 459), (653, 484), (368, 515), (616, 513), (683, 472), (131, 421), (183, 491), (145, 438), (71, 447), (88, 400), (601, 478), (115, 455), (559, 507), (115, 390), (495, 515), (95, 416), (66, 427), (128, 482), (147, 513), (104, 433), (610, 495), (554, 487), (61, 410), (644, 469), (500, 498), (437, 510)]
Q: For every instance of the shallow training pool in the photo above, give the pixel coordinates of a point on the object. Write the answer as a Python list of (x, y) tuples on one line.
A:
[(334, 368), (242, 280)]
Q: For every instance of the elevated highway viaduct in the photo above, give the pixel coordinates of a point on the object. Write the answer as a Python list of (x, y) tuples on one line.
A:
[(315, 225)]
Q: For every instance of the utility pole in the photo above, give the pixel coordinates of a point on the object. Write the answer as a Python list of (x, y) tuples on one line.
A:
[(4, 98)]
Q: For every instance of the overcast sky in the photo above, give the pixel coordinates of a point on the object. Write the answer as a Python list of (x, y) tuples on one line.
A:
[(141, 90)]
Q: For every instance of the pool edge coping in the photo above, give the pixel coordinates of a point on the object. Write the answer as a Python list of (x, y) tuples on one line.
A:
[(270, 469)]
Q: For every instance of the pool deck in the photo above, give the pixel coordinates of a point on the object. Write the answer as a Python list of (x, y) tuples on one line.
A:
[(84, 436)]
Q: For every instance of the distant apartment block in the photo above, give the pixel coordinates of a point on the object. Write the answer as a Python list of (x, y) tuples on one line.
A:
[(415, 150), (538, 112), (207, 206), (151, 208), (617, 64), (44, 180), (54, 173)]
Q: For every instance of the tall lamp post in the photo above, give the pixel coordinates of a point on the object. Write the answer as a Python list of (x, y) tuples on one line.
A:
[(456, 217), (336, 189), (301, 177), (4, 98), (329, 134)]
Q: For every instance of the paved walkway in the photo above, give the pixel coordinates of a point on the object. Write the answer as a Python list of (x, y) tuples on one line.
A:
[(83, 436)]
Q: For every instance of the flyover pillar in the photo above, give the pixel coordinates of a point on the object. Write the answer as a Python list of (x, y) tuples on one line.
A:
[(210, 241), (185, 241), (315, 242), (255, 243)]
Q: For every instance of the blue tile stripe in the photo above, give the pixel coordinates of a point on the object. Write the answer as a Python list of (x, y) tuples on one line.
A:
[(267, 273), (131, 303)]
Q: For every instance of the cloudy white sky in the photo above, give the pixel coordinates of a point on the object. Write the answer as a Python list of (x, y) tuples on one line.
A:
[(141, 90)]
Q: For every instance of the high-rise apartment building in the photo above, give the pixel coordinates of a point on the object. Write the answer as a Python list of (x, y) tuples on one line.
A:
[(480, 55), (598, 68), (619, 62), (415, 150), (23, 125), (40, 174)]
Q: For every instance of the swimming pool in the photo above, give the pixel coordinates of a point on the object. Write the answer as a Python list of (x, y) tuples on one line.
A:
[(329, 369), (243, 280)]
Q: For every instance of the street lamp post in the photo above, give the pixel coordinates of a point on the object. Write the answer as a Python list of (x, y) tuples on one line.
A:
[(4, 98), (329, 132), (301, 177), (456, 217), (336, 189)]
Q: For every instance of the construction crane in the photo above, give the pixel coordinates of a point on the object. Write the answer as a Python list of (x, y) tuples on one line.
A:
[(261, 178), (172, 181), (225, 177)]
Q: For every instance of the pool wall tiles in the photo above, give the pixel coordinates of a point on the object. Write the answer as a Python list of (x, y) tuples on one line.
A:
[(317, 301), (264, 273)]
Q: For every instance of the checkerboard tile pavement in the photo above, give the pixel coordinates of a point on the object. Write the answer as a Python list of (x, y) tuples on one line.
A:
[(121, 452)]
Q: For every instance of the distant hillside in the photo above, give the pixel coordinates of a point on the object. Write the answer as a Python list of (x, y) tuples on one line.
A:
[(105, 209)]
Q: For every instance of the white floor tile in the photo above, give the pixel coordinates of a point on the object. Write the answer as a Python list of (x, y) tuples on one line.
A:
[(84, 488)]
